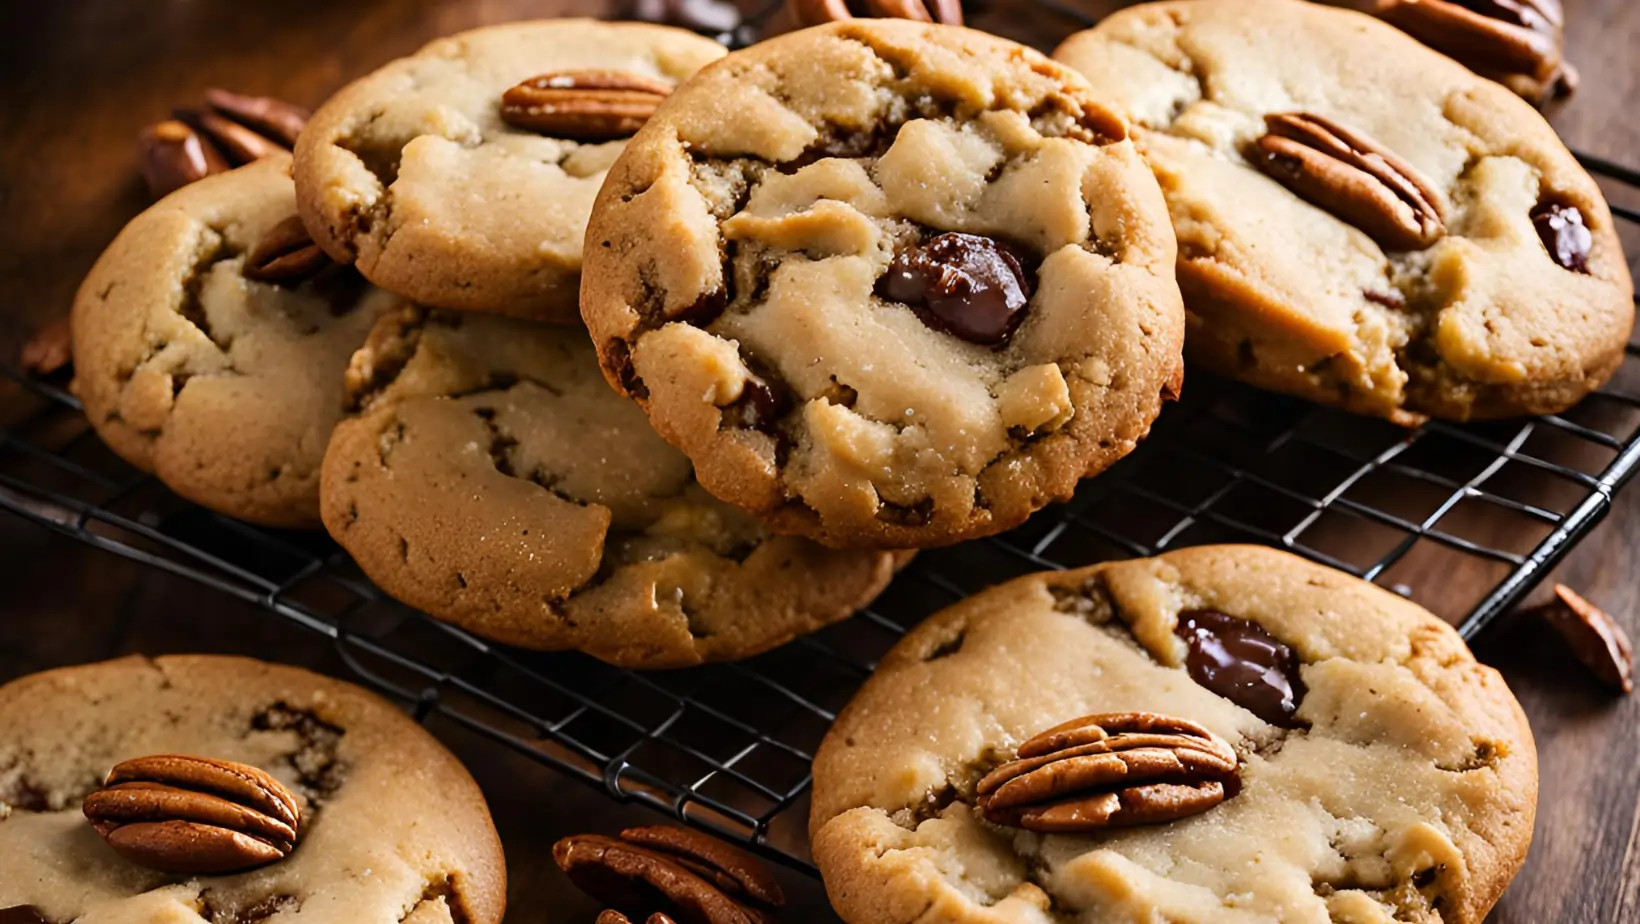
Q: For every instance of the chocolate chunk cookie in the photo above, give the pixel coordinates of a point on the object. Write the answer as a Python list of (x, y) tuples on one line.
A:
[(494, 481), (393, 828), (456, 178), (210, 341), (1361, 221), (1225, 734), (887, 284)]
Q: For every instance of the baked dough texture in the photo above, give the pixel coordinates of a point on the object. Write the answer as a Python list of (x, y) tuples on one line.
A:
[(394, 830), (411, 173), (1282, 294), (735, 255), (1407, 794)]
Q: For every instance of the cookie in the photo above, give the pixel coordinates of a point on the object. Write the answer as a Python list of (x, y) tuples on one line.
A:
[(413, 174), (393, 827), (494, 481), (887, 284), (210, 341), (1361, 221), (1224, 734)]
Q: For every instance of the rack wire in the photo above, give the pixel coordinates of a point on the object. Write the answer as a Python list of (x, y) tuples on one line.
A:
[(1465, 519)]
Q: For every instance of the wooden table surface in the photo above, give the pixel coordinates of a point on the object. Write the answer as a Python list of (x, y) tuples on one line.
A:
[(78, 78)]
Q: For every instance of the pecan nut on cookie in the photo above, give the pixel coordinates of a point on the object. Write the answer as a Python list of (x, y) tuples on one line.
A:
[(495, 481), (230, 789), (1220, 735), (887, 284), (210, 341), (462, 175), (1363, 222)]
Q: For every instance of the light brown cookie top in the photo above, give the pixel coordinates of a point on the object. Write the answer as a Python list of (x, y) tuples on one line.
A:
[(887, 283), (394, 829), (1362, 221), (224, 386), (1382, 774), (412, 174), (494, 481)]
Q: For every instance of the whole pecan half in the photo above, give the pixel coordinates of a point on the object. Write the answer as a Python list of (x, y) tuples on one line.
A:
[(1355, 178), (1110, 770), (586, 105), (817, 12), (697, 878), (285, 255), (171, 155), (1516, 42), (232, 130), (181, 814)]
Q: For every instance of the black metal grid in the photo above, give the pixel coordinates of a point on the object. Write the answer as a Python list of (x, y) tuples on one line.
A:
[(727, 747)]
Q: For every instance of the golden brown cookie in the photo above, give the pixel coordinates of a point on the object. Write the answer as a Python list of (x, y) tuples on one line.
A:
[(494, 481), (887, 284), (1362, 221)]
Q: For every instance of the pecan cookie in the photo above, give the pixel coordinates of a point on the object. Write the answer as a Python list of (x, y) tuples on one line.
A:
[(462, 175), (1226, 734), (210, 341), (1361, 221), (388, 825), (494, 481), (887, 284)]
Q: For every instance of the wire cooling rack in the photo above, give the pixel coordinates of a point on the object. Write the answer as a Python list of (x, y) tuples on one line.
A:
[(1464, 519)]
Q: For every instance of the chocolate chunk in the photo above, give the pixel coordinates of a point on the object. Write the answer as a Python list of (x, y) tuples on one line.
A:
[(1564, 235), (1241, 662), (22, 914), (968, 286), (759, 406), (1594, 637)]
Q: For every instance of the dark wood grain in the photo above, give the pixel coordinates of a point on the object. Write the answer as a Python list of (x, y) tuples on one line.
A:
[(77, 81)]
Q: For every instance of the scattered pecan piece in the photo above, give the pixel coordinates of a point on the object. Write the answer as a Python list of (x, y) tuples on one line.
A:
[(274, 118), (586, 105), (49, 350), (285, 255), (1515, 42), (181, 814), (1594, 637), (817, 12), (171, 155), (1355, 178), (696, 878), (233, 130), (1110, 770)]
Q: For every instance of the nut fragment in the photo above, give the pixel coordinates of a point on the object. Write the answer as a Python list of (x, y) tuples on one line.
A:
[(1353, 177), (1110, 770), (273, 118), (285, 255), (172, 155), (49, 350), (1515, 42), (818, 12), (587, 105), (1594, 637), (181, 814), (694, 878)]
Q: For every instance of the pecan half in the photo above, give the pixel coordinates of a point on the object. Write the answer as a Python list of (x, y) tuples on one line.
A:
[(1515, 42), (171, 155), (586, 105), (181, 814), (49, 350), (1110, 770), (1355, 178), (696, 878), (1594, 637), (817, 12), (285, 255), (232, 130)]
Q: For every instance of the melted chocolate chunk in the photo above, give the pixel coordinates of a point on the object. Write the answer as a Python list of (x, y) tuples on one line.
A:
[(1241, 662), (1564, 235), (760, 405), (22, 914), (968, 286)]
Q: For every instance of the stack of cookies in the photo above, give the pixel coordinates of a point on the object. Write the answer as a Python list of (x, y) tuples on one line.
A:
[(589, 336)]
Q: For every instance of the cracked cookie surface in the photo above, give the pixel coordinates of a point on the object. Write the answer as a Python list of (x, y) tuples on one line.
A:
[(495, 481), (225, 387), (887, 284), (412, 174), (1282, 293), (394, 831), (1402, 789)]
